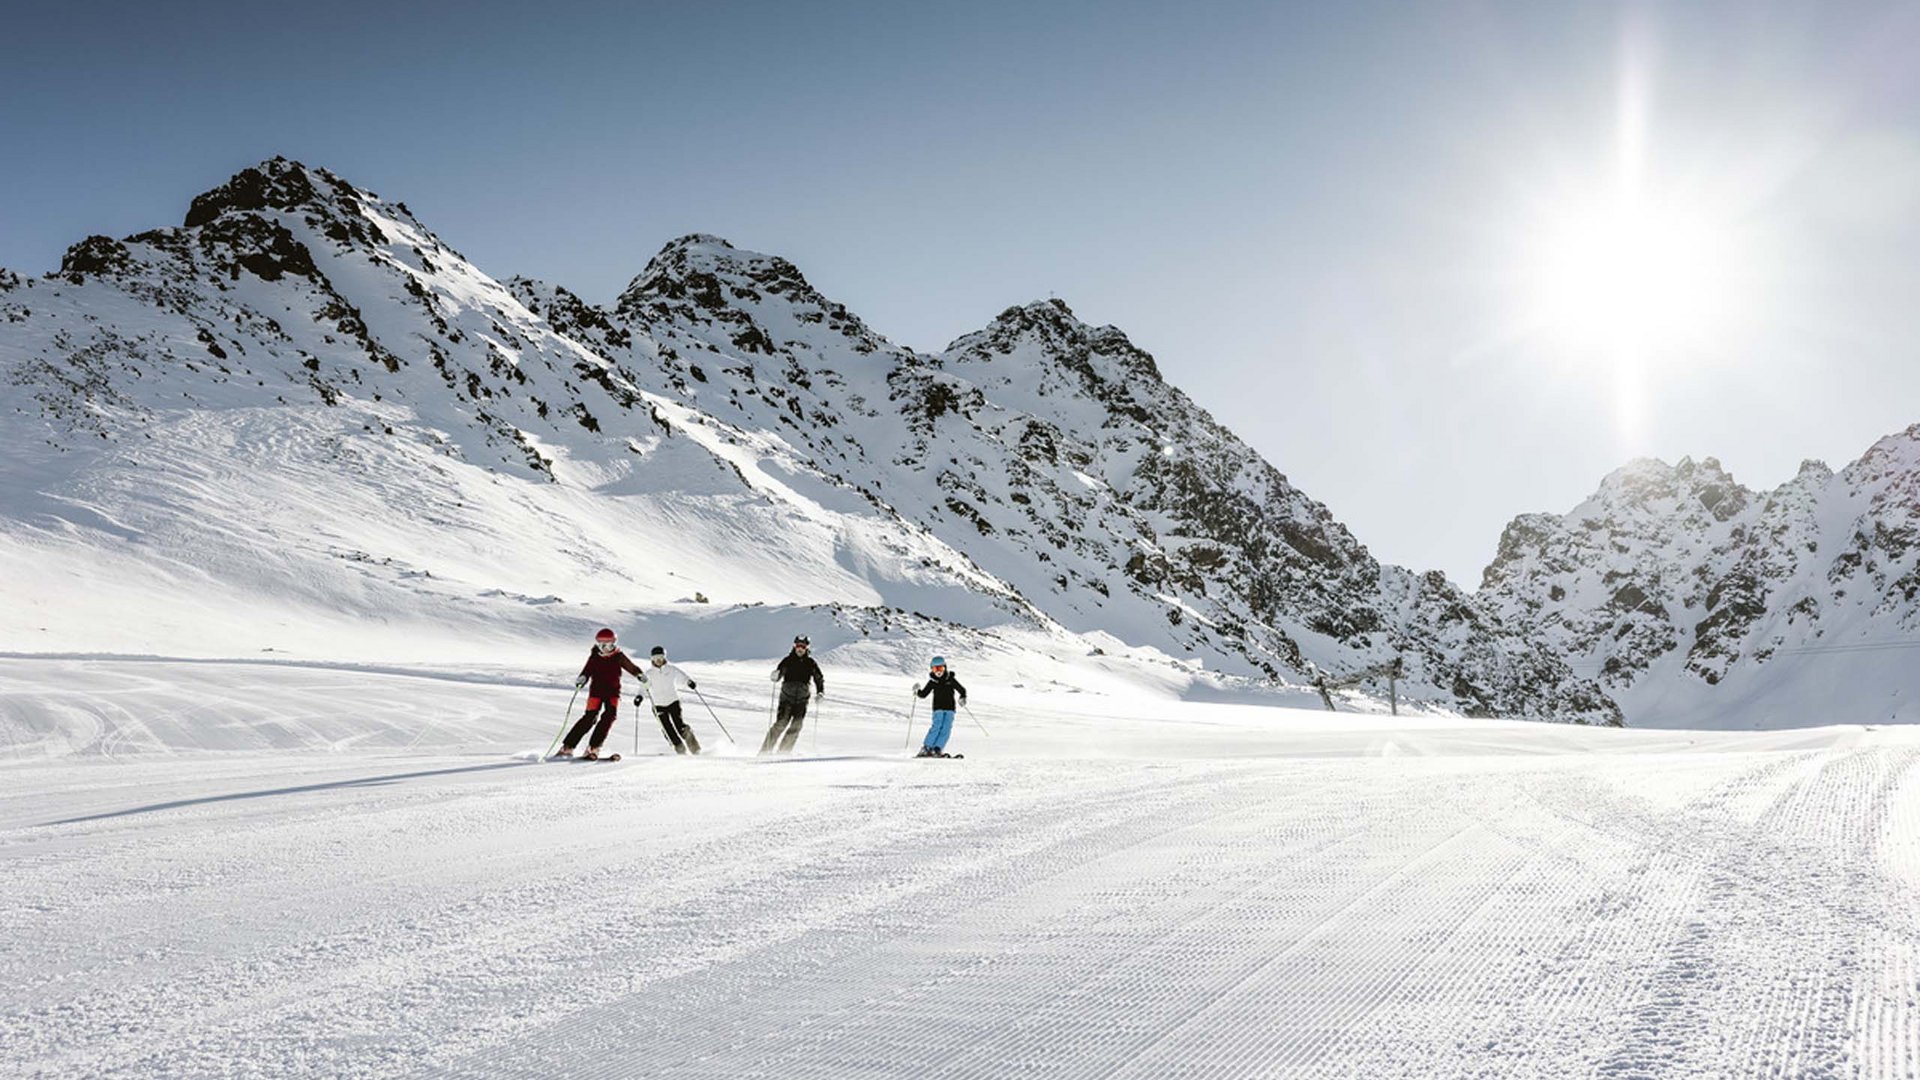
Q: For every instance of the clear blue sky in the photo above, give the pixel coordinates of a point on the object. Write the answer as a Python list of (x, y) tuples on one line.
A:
[(1322, 218)]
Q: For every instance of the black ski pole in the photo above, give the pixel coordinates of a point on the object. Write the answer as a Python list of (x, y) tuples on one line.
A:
[(715, 715), (564, 720), (976, 721)]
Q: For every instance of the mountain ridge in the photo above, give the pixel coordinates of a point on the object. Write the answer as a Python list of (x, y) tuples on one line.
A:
[(1039, 470), (1682, 589), (1068, 378)]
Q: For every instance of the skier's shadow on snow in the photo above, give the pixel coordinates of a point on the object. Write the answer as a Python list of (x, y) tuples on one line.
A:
[(361, 781)]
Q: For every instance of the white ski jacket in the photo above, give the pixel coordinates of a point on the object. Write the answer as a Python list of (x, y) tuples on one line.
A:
[(663, 682)]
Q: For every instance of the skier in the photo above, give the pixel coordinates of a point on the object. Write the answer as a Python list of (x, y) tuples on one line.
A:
[(944, 687), (793, 673), (602, 668), (660, 682)]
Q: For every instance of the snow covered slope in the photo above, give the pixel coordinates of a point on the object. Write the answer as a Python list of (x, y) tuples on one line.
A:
[(1696, 601), (301, 422), (1133, 889)]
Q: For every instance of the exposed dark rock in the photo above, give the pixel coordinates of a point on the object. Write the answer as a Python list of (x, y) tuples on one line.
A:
[(264, 248), (95, 255), (278, 184)]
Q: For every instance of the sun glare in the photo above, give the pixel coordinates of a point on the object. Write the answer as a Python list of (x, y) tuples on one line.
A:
[(1630, 281), (1646, 266)]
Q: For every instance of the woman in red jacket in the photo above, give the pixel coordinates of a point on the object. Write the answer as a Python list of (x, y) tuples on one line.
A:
[(602, 669)]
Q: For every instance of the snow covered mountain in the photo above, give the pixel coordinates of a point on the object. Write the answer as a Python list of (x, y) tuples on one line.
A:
[(1692, 597), (300, 419), (1054, 455)]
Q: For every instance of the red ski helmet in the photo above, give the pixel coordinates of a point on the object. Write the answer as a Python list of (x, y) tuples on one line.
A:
[(604, 640)]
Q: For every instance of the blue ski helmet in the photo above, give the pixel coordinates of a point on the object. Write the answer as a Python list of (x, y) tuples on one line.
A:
[(938, 661)]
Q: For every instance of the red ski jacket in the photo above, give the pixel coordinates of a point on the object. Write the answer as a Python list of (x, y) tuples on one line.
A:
[(603, 673)]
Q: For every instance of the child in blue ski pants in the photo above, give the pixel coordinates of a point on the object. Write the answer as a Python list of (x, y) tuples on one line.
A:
[(941, 731), (945, 690)]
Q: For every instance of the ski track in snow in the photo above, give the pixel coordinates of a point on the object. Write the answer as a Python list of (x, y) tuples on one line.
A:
[(1396, 899)]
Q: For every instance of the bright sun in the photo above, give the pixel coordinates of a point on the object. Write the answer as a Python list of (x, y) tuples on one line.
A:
[(1624, 281), (1643, 269)]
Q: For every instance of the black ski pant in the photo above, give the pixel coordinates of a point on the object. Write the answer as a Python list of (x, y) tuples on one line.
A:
[(598, 709), (676, 729), (786, 725)]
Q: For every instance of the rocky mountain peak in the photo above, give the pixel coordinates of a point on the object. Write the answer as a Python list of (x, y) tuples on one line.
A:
[(760, 300), (1815, 470), (1051, 314), (1046, 321), (1895, 452), (1888, 477), (711, 272), (1046, 341), (277, 184), (1524, 535), (244, 224), (1649, 485), (93, 256)]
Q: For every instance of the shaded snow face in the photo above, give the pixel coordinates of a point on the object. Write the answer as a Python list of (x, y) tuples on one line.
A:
[(1689, 595), (305, 385)]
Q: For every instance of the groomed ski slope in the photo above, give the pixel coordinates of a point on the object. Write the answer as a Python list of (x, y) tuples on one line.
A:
[(1180, 891)]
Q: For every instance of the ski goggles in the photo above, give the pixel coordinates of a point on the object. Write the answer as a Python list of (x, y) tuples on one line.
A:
[(937, 668), (606, 647)]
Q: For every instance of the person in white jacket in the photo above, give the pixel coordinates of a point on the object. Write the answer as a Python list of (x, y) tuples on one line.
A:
[(662, 681)]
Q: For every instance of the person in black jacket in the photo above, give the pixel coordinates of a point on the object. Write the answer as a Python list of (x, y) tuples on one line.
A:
[(944, 688), (603, 668), (793, 673)]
